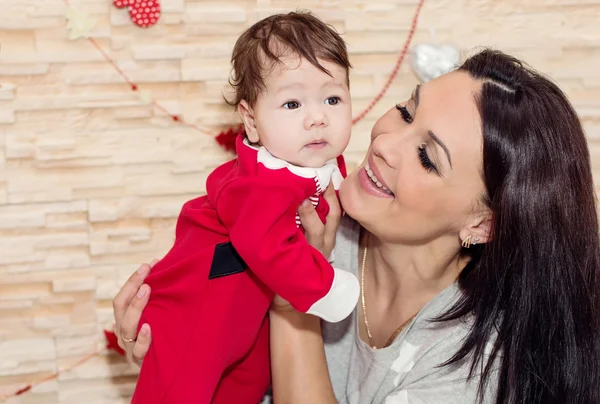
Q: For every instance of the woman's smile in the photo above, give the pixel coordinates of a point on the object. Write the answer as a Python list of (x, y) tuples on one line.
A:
[(371, 184)]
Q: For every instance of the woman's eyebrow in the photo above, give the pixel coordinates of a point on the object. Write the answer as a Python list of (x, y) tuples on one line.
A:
[(417, 97), (442, 145)]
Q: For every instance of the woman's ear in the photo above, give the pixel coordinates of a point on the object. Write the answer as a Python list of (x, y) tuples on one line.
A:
[(247, 114), (478, 229)]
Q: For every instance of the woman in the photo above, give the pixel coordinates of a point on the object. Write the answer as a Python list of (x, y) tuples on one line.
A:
[(472, 226)]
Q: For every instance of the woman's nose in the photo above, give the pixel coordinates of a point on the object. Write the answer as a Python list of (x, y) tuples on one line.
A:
[(387, 147)]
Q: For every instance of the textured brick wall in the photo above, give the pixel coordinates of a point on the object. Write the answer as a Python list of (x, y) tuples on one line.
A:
[(92, 177)]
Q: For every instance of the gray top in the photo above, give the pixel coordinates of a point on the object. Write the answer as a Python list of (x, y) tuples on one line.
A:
[(407, 371)]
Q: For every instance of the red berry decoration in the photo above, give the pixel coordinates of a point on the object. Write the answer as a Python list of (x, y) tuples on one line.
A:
[(144, 13)]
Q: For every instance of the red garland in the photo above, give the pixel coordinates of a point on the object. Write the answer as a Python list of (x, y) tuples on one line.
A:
[(399, 61)]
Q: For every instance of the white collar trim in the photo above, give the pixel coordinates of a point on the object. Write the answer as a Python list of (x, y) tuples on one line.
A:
[(329, 172)]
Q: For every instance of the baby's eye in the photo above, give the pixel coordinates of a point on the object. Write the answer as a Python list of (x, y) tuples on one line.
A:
[(332, 100), (291, 105)]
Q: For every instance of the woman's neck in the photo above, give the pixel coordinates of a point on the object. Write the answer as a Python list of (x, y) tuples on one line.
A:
[(408, 275)]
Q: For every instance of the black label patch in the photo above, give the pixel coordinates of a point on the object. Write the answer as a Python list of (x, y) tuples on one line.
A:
[(226, 261)]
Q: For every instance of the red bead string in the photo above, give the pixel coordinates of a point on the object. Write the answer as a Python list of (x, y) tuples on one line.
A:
[(222, 138), (49, 377), (399, 61), (135, 87)]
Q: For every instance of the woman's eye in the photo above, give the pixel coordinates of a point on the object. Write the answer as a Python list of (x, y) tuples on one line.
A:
[(291, 105), (332, 100), (405, 114), (425, 161)]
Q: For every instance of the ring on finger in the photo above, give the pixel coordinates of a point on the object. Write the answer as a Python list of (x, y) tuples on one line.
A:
[(128, 339)]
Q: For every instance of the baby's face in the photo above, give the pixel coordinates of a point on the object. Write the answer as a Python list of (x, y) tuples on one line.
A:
[(305, 115)]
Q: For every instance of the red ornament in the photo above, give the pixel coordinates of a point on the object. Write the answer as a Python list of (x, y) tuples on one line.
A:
[(144, 13), (227, 137), (112, 342)]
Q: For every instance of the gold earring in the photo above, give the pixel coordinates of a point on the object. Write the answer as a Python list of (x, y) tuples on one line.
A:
[(466, 243), (475, 241)]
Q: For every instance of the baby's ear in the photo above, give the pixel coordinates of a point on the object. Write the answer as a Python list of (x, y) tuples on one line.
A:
[(247, 114)]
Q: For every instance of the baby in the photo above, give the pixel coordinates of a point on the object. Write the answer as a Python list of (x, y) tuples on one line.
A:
[(243, 242)]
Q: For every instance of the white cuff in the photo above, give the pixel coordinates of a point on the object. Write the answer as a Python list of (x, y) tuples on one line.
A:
[(341, 299)]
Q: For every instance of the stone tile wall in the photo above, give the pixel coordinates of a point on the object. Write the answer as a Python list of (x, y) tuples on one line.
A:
[(92, 176)]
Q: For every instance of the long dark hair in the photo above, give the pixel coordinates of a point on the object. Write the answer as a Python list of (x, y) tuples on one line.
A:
[(534, 288)]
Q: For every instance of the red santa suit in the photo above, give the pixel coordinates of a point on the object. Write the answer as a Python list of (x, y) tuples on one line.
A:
[(234, 249)]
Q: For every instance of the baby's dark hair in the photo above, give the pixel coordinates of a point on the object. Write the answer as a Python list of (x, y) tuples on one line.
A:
[(262, 45)]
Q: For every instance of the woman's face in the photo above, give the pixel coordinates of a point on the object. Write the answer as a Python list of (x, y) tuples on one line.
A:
[(421, 178)]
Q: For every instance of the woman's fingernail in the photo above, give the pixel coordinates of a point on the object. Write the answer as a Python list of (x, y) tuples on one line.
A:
[(144, 330), (143, 270), (141, 291), (305, 202)]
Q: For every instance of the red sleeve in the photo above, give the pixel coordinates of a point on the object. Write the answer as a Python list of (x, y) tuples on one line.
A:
[(260, 216)]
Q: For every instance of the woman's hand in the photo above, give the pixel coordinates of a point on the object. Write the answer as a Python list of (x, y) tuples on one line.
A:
[(128, 306), (320, 236)]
